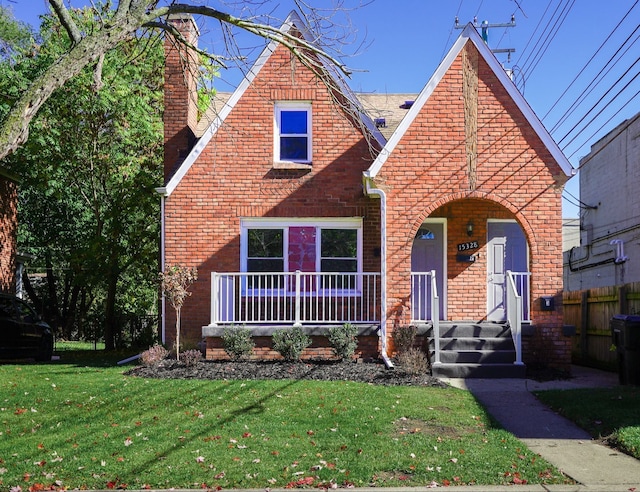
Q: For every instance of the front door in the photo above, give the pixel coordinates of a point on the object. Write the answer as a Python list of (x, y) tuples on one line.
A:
[(427, 254), (506, 250)]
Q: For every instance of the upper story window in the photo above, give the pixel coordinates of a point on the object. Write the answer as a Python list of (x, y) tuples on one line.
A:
[(292, 132)]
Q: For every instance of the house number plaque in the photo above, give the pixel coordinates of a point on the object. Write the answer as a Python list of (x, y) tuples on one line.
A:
[(468, 245)]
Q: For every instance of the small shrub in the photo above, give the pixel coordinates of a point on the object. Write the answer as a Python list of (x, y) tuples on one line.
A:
[(153, 355), (404, 337), (237, 342), (343, 340), (191, 357), (413, 362), (290, 343)]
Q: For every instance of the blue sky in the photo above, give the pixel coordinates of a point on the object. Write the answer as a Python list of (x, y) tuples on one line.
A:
[(396, 45)]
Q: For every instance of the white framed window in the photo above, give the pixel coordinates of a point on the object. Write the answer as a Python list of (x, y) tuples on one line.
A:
[(328, 246), (292, 132)]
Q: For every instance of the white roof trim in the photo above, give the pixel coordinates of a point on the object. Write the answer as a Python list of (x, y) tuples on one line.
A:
[(292, 19), (470, 34)]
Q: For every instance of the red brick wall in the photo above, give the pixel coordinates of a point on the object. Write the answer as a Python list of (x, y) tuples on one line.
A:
[(427, 176), (8, 231), (320, 349), (234, 177)]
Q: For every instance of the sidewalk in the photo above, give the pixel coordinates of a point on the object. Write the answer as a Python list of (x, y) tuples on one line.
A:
[(593, 466)]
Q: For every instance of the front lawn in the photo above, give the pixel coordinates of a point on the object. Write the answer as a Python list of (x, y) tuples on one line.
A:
[(83, 425), (609, 413)]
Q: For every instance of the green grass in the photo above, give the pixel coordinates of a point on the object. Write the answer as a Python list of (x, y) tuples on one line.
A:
[(63, 346), (81, 423), (604, 413)]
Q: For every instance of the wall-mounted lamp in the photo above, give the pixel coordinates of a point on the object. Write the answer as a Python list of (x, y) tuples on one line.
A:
[(470, 228)]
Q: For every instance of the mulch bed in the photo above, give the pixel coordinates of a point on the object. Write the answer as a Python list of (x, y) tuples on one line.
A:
[(373, 372)]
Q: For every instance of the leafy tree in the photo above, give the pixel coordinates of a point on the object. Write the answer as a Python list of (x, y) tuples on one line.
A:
[(15, 36), (88, 206), (84, 88), (86, 48)]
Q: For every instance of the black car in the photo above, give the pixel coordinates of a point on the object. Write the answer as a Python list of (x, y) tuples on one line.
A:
[(22, 331)]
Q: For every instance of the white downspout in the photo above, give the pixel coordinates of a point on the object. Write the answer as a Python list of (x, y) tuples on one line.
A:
[(383, 266), (163, 195)]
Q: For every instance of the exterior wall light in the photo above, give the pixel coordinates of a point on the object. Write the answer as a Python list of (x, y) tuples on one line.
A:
[(470, 228)]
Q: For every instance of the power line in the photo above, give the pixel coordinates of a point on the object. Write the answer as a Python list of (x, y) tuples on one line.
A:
[(535, 48), (534, 32), (606, 123), (596, 80), (550, 37), (590, 59), (598, 102)]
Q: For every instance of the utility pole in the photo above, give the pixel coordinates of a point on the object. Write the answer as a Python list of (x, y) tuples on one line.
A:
[(484, 31)]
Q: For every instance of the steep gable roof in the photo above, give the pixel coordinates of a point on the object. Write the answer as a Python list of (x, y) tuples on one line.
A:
[(224, 105), (469, 34)]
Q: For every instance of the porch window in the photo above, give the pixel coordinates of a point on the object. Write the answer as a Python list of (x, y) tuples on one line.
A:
[(334, 247), (265, 253), (339, 253), (292, 140)]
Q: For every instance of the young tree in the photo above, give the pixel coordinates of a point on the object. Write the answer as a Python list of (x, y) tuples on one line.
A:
[(125, 21), (175, 281)]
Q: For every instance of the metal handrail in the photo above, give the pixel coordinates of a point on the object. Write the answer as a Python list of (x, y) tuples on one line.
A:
[(424, 292), (435, 316), (514, 315)]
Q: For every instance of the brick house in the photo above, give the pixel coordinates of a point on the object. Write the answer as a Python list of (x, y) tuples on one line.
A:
[(298, 211), (8, 230)]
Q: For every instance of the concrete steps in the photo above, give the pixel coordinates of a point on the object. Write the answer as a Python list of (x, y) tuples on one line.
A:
[(474, 350)]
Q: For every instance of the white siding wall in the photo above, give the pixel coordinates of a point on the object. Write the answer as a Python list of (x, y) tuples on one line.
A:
[(609, 180)]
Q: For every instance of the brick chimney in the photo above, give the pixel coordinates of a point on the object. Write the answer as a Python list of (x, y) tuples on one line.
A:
[(180, 93)]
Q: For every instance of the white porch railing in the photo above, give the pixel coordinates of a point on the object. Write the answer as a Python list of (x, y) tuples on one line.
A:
[(521, 281), (425, 304), (515, 312), (295, 298)]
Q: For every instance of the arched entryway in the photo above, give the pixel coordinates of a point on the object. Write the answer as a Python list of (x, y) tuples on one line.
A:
[(469, 245)]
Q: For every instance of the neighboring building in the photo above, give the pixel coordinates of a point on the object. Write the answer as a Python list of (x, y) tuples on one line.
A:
[(300, 206), (609, 250), (570, 233), (8, 230)]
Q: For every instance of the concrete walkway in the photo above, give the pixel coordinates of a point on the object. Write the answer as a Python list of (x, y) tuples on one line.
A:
[(593, 466)]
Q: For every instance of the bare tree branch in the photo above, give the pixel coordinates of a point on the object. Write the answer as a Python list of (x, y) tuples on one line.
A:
[(66, 20), (129, 17)]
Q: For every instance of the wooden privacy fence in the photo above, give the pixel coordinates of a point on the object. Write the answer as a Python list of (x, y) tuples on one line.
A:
[(590, 312)]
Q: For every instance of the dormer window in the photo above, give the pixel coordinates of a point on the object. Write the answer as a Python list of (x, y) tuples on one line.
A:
[(292, 139)]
